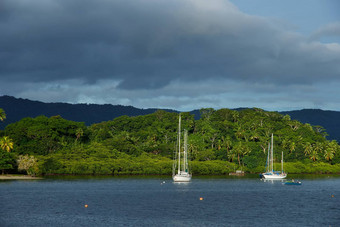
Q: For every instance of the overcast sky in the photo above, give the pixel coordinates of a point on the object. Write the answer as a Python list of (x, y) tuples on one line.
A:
[(178, 54)]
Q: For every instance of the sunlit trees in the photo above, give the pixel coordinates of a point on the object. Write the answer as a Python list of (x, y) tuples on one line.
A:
[(331, 149), (28, 164), (6, 159), (314, 155), (6, 143), (2, 115), (308, 148), (316, 150)]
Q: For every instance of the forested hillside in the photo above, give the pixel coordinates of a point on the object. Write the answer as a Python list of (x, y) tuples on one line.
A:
[(17, 109), (219, 142)]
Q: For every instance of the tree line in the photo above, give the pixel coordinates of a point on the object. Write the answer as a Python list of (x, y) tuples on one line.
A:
[(219, 142)]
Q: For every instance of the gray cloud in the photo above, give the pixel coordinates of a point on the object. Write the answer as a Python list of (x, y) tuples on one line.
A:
[(328, 30), (138, 45)]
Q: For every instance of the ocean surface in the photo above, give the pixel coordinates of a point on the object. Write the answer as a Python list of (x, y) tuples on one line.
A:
[(157, 201)]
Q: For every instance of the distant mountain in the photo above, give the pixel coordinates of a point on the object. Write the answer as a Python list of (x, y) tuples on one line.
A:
[(17, 108), (330, 120)]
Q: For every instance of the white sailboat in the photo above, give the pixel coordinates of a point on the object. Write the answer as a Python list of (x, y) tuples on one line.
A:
[(181, 158), (270, 173)]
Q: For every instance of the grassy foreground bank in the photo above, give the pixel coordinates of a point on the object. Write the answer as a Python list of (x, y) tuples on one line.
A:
[(151, 165)]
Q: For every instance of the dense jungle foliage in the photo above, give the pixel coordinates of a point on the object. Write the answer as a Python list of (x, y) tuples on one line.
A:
[(219, 142)]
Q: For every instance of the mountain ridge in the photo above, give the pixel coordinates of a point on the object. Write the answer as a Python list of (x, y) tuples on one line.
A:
[(18, 108), (328, 119)]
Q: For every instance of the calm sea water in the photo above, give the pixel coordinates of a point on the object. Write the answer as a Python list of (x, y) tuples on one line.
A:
[(133, 201)]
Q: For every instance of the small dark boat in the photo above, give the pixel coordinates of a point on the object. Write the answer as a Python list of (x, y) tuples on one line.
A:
[(292, 182)]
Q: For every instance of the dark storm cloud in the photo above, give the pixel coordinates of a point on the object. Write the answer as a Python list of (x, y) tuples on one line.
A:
[(148, 44)]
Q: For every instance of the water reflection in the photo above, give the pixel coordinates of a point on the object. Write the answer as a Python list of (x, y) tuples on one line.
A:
[(273, 180)]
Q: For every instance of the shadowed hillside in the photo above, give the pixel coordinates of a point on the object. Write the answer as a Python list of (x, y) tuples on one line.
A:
[(17, 108), (330, 120)]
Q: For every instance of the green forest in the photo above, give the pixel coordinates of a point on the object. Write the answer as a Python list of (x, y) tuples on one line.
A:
[(220, 142)]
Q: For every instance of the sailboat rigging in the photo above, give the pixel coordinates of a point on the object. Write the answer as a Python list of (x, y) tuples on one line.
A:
[(270, 173), (181, 158)]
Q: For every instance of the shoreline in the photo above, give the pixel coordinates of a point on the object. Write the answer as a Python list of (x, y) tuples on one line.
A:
[(18, 177)]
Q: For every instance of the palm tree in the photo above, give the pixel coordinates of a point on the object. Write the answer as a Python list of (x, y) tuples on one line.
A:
[(240, 132), (285, 144), (6, 143), (309, 127), (314, 155), (329, 154), (235, 115), (231, 155), (228, 143), (295, 125), (192, 148), (240, 150), (292, 147), (255, 136), (317, 148), (79, 133), (286, 117), (331, 149), (212, 138), (308, 148), (2, 115)]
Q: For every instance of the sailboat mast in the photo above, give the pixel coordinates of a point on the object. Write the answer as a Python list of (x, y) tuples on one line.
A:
[(268, 161), (179, 143), (271, 155), (185, 155), (282, 163)]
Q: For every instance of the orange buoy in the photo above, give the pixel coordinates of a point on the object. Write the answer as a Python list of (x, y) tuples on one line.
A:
[(86, 205), (201, 198), (332, 196)]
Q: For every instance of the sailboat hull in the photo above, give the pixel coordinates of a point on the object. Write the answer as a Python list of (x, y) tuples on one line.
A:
[(274, 176), (182, 177)]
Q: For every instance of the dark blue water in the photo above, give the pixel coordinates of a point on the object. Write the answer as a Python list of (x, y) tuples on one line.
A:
[(150, 202)]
